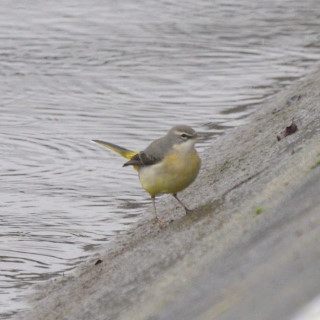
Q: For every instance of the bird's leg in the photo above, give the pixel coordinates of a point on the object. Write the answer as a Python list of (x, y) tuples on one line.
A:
[(156, 219), (184, 207), (154, 210)]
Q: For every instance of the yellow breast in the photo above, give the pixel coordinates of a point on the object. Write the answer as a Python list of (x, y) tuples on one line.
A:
[(176, 172)]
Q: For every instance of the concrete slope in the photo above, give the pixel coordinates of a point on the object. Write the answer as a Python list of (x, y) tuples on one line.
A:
[(249, 250)]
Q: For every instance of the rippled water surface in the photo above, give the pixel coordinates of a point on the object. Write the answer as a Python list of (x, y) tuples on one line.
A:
[(123, 71)]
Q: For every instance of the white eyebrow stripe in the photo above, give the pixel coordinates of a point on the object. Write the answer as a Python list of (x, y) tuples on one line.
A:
[(181, 132)]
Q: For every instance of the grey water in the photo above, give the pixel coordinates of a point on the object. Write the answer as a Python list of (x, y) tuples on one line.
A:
[(122, 71)]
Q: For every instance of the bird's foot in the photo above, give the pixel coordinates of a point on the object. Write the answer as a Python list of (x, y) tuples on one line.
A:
[(159, 222)]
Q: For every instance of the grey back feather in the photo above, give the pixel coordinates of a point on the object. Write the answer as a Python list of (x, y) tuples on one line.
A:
[(153, 154), (159, 148)]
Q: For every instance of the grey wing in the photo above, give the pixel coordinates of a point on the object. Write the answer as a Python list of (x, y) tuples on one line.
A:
[(153, 154), (141, 159)]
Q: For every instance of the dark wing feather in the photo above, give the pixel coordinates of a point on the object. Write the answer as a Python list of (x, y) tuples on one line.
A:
[(153, 154), (141, 159)]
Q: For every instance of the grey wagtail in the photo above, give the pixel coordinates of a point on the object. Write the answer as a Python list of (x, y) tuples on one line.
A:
[(167, 165)]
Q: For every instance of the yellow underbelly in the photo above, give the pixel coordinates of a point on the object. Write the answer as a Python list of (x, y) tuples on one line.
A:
[(172, 175)]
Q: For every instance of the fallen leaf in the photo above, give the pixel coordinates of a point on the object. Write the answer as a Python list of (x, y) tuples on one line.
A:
[(288, 130), (98, 262)]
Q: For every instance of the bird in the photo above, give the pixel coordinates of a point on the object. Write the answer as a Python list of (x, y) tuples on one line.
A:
[(167, 166)]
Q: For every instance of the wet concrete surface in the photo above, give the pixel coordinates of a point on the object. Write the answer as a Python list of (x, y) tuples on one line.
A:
[(250, 249)]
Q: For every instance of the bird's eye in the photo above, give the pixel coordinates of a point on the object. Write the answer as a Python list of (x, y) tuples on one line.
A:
[(184, 136)]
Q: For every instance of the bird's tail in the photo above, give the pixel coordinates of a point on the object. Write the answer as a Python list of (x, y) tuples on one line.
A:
[(128, 154)]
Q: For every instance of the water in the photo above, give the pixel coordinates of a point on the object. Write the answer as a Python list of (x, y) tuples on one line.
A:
[(123, 71)]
